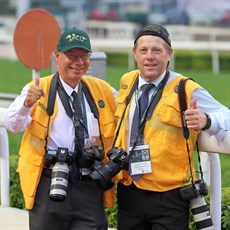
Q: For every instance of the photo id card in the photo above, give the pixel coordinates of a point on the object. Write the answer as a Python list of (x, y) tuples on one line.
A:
[(140, 162)]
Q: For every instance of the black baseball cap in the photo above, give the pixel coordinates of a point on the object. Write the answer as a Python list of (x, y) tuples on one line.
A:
[(154, 30)]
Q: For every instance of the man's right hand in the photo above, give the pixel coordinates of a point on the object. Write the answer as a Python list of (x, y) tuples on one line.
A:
[(34, 94)]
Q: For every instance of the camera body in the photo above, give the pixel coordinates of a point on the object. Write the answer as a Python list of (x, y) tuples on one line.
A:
[(195, 194), (87, 158), (103, 173), (190, 191), (61, 159), (59, 155)]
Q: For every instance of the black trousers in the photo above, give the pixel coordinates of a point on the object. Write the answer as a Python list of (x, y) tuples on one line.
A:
[(82, 209), (146, 210)]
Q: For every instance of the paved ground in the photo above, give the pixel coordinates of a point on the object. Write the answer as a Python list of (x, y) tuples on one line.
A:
[(16, 219)]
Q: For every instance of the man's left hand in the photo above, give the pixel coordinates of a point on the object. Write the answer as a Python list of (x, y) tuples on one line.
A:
[(195, 118)]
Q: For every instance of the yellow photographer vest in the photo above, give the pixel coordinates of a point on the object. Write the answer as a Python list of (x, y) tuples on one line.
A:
[(163, 133), (32, 152)]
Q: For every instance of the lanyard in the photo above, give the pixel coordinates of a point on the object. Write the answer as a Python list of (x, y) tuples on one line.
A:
[(154, 100), (152, 103), (155, 91)]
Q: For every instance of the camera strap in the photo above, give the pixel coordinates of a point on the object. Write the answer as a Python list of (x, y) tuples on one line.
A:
[(92, 106), (57, 86), (90, 100), (51, 101), (183, 105), (183, 108), (52, 94), (135, 85), (54, 87)]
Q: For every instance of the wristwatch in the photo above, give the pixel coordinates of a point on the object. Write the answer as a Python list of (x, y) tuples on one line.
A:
[(208, 124)]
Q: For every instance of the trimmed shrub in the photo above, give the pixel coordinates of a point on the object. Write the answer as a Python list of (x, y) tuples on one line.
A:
[(16, 197), (183, 60), (117, 59)]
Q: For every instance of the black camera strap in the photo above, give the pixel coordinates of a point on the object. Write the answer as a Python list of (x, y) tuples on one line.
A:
[(52, 94), (183, 108), (93, 107), (55, 87), (51, 101), (135, 85), (90, 100)]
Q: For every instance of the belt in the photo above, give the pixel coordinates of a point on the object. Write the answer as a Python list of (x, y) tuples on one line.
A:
[(48, 173)]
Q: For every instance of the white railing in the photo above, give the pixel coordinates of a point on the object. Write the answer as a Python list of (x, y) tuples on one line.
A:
[(206, 143), (4, 165)]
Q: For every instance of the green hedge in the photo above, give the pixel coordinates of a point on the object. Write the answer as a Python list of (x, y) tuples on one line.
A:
[(183, 60), (16, 199), (117, 59)]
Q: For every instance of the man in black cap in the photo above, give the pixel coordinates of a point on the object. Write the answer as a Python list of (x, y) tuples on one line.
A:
[(69, 124), (151, 194)]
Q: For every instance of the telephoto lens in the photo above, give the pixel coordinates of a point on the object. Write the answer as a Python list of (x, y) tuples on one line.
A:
[(59, 181), (201, 215)]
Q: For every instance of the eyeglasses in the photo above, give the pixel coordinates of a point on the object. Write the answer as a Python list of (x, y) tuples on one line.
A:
[(83, 57)]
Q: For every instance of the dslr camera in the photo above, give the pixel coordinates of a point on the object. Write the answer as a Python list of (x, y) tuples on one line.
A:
[(103, 173), (87, 158), (59, 155), (193, 191), (195, 194), (61, 159)]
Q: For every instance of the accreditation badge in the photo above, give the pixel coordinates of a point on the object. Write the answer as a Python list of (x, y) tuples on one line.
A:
[(139, 160)]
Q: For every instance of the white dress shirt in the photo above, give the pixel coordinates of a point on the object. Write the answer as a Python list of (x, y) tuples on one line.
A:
[(62, 132), (219, 114)]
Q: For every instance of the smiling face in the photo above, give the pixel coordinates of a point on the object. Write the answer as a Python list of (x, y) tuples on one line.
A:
[(72, 65), (152, 55)]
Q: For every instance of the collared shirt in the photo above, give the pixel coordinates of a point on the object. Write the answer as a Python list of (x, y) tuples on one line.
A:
[(219, 114), (62, 132)]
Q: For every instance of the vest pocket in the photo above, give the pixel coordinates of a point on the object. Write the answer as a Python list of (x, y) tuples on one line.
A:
[(38, 130), (169, 115), (29, 174), (108, 131), (38, 126), (108, 127)]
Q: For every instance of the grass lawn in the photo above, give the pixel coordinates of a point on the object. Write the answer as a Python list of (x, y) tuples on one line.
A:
[(13, 76)]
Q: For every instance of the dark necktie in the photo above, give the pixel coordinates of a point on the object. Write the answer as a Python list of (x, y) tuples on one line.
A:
[(139, 112), (79, 134), (78, 123), (138, 115)]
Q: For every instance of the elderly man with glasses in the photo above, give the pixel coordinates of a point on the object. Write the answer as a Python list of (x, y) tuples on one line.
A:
[(68, 123)]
